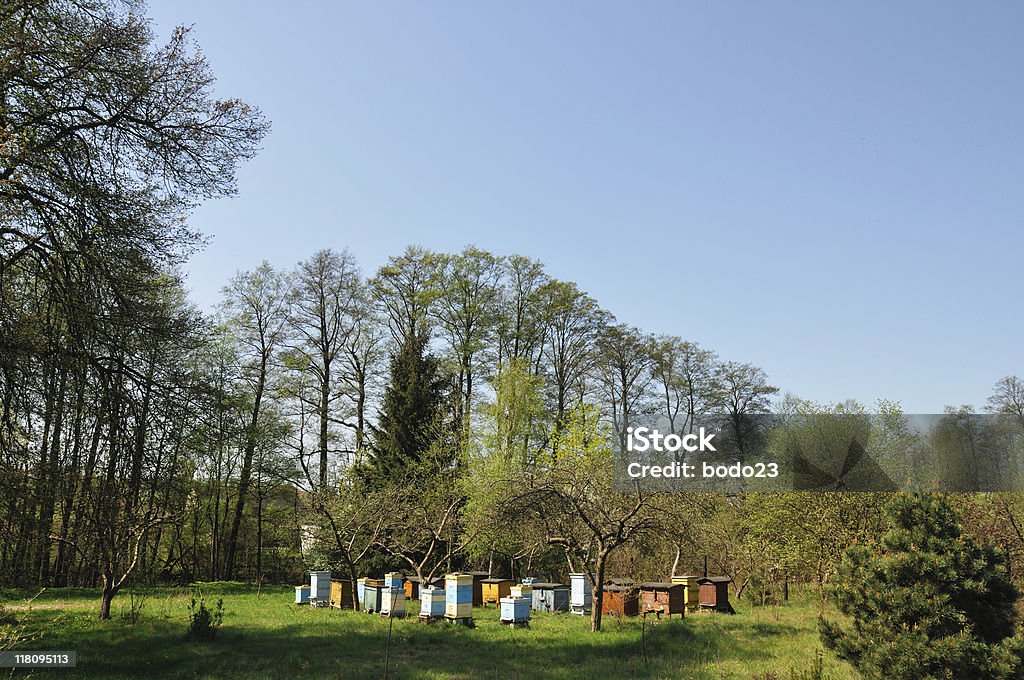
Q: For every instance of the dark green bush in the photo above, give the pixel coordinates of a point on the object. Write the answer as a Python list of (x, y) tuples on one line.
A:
[(203, 621), (925, 600)]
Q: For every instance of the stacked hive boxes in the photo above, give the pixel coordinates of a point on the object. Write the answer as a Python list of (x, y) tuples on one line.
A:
[(319, 588), (392, 602), (515, 610), (692, 590), (580, 597), (432, 602), (458, 596)]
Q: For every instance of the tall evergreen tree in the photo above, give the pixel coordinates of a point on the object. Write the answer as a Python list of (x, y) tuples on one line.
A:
[(412, 412), (926, 601)]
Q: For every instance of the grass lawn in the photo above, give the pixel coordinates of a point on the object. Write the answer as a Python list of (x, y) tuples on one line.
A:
[(267, 636)]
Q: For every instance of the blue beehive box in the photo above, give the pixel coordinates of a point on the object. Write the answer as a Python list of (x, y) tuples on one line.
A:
[(393, 580), (458, 596), (515, 610), (432, 602), (301, 594)]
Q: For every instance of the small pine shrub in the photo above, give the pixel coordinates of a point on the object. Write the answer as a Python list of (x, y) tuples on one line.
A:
[(926, 601), (203, 621)]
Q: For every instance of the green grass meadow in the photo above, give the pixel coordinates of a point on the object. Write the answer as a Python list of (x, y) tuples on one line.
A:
[(265, 635)]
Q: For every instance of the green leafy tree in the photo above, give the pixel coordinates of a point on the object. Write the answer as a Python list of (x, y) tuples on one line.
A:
[(926, 600)]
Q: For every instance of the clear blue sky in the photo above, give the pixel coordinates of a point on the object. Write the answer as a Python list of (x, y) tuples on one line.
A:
[(832, 191)]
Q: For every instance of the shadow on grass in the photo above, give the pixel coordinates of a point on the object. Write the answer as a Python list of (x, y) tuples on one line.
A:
[(298, 642)]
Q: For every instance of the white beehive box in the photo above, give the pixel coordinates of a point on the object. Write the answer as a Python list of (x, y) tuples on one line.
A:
[(515, 610), (580, 597), (392, 601), (320, 587)]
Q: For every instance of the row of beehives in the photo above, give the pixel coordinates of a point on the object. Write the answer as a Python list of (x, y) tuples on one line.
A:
[(388, 596), (461, 591), (623, 597)]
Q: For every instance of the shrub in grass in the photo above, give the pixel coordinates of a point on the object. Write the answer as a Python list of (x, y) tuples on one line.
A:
[(203, 621), (926, 600)]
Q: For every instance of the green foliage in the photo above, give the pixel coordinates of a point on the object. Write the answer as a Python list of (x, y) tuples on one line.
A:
[(926, 600), (203, 621)]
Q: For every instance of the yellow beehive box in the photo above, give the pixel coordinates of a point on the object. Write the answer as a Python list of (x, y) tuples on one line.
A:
[(341, 594), (522, 590), (691, 594), (493, 589)]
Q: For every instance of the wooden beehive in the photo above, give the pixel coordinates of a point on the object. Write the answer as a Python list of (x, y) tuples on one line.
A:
[(393, 579), (523, 590), (691, 592), (341, 593), (458, 596), (620, 600), (580, 596), (478, 591), (714, 594), (493, 589), (371, 595), (550, 597), (320, 588), (515, 610), (301, 594), (392, 601), (432, 602), (663, 598)]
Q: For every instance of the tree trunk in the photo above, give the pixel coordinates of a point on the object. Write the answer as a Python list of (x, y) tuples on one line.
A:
[(325, 401), (243, 481), (597, 601), (106, 597)]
